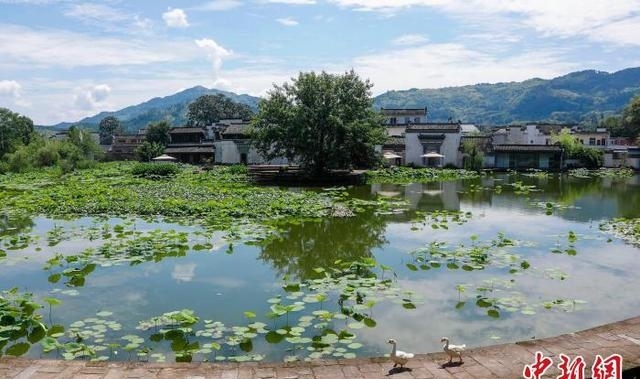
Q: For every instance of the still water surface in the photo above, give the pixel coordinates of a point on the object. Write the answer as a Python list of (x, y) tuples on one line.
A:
[(556, 273)]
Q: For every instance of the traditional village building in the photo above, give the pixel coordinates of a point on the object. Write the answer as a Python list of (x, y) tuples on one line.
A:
[(432, 144), (407, 116), (190, 145), (393, 150), (234, 146), (483, 142), (598, 139), (123, 146), (521, 157)]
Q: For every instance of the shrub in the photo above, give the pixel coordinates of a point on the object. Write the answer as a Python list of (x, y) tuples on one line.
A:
[(238, 169), (85, 164), (19, 160), (155, 170), (47, 156), (66, 166)]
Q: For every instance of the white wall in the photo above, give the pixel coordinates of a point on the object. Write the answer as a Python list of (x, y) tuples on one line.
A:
[(228, 152), (449, 149)]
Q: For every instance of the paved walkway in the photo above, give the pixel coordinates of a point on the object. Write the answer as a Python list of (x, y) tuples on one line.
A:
[(499, 361)]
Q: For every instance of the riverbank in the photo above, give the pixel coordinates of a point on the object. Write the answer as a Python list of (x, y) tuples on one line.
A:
[(497, 361)]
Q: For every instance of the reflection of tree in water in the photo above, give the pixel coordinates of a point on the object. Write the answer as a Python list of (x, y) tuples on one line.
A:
[(298, 248), (11, 223), (629, 199)]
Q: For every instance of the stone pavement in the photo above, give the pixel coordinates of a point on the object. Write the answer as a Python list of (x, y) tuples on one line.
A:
[(499, 361)]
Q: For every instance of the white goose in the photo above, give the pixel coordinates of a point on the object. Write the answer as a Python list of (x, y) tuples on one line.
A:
[(452, 350), (398, 357)]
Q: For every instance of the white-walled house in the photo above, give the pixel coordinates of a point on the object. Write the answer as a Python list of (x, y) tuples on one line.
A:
[(234, 147), (406, 116), (434, 139)]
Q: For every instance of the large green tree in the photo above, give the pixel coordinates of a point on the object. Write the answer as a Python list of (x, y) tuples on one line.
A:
[(109, 126), (324, 121), (159, 133), (631, 118), (149, 150), (626, 125), (87, 146), (209, 109), (15, 130), (589, 157)]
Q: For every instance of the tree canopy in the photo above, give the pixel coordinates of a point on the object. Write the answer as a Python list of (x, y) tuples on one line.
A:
[(159, 133), (324, 121), (628, 124), (149, 150), (631, 118), (209, 109), (15, 130), (109, 126), (589, 157)]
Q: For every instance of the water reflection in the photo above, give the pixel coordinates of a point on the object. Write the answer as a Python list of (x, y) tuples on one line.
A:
[(582, 199), (140, 270), (297, 248), (12, 223)]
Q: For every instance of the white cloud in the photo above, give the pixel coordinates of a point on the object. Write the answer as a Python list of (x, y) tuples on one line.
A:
[(94, 12), (218, 5), (216, 53), (10, 88), (108, 18), (287, 21), (441, 65), (296, 2), (31, 2), (184, 272), (624, 32), (175, 18), (410, 39), (90, 99), (10, 91), (56, 48), (549, 18)]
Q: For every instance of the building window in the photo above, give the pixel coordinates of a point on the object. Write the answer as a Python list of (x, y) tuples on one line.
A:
[(416, 120), (393, 121), (604, 142), (407, 120), (592, 141)]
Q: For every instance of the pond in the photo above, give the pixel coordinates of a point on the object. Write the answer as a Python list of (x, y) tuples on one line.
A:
[(501, 258)]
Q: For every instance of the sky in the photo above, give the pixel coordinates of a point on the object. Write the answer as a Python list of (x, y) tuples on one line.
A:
[(63, 60)]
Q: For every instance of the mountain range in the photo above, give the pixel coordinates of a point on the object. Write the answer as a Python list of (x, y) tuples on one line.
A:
[(579, 97)]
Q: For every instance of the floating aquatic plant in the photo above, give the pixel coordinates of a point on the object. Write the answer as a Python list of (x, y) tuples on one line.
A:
[(628, 229), (20, 323)]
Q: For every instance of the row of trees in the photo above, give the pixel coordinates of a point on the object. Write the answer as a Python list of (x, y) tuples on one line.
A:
[(21, 148), (626, 125), (324, 121)]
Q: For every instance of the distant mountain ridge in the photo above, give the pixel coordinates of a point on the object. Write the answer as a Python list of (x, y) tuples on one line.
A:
[(572, 98), (172, 108), (582, 96)]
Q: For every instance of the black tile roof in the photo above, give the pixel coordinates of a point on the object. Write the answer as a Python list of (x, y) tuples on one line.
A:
[(527, 148)]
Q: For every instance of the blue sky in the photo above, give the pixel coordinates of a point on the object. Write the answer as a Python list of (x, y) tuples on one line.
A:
[(62, 60)]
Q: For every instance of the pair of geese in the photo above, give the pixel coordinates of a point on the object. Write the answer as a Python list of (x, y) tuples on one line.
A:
[(401, 358)]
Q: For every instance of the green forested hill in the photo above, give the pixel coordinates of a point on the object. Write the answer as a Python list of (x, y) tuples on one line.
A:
[(171, 108), (583, 96)]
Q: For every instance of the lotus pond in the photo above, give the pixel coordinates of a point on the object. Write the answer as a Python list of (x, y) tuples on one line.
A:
[(207, 267)]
